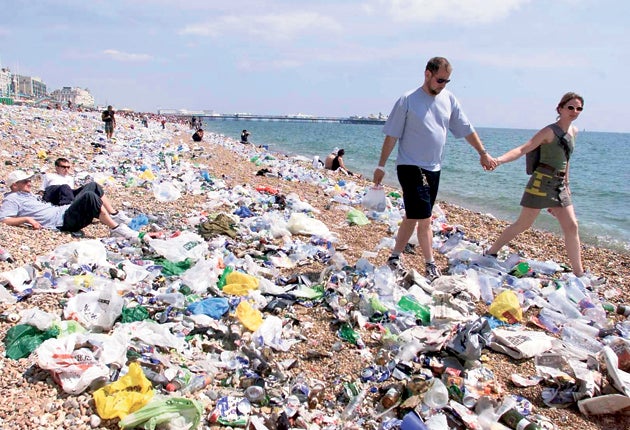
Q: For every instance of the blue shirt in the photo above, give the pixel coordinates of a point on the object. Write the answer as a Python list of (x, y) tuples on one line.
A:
[(23, 204), (421, 122)]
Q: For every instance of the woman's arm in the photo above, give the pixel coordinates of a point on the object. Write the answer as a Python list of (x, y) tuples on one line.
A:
[(543, 136)]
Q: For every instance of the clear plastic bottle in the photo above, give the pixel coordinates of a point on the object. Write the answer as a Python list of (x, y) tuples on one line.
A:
[(436, 396), (6, 256), (350, 411)]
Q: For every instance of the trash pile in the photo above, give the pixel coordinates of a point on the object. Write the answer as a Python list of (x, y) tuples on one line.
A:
[(193, 324)]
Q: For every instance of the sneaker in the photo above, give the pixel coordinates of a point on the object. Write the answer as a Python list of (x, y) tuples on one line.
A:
[(432, 272), (396, 265), (487, 254), (123, 230), (121, 217)]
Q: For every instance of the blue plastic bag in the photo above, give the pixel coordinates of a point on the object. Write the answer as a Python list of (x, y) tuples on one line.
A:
[(214, 307)]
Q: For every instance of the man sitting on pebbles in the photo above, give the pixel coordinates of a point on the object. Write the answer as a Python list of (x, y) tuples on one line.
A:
[(21, 206)]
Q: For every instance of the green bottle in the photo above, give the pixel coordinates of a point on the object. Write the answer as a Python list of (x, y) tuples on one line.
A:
[(410, 304), (520, 270), (515, 420)]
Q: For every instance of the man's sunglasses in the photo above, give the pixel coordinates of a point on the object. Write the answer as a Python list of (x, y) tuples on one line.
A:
[(442, 81), (578, 108)]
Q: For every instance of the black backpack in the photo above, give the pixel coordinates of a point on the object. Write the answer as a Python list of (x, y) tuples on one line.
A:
[(532, 158)]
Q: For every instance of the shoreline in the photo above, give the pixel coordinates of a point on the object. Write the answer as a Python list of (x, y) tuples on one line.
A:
[(33, 399)]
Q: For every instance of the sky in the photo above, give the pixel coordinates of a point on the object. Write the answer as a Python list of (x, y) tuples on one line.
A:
[(512, 59)]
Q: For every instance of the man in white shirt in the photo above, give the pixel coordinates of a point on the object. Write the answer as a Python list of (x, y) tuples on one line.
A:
[(20, 206)]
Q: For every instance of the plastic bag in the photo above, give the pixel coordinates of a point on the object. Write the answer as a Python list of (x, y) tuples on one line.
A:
[(240, 284), (23, 339), (184, 413), (375, 199), (166, 192), (130, 393), (356, 217), (248, 316), (300, 223), (75, 369), (186, 245), (506, 307), (95, 310), (214, 307)]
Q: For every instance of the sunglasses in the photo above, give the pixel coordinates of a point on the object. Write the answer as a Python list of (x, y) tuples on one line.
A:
[(578, 108), (64, 167), (442, 81)]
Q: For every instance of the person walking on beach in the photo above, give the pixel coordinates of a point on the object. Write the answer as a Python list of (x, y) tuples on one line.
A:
[(108, 117), (548, 185), (198, 135), (21, 206), (419, 123)]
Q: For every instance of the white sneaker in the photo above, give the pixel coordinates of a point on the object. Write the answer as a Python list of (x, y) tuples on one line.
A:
[(121, 218), (123, 230)]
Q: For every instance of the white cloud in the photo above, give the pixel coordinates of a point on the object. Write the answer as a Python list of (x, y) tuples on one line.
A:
[(271, 27), (125, 56), (460, 11)]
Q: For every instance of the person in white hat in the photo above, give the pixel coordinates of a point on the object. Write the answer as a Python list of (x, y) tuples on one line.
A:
[(21, 206)]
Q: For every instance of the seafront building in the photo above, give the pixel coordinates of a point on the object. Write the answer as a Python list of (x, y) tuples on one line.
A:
[(16, 88)]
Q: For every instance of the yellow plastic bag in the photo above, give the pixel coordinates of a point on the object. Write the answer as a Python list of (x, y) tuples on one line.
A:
[(240, 284), (128, 394), (506, 307), (250, 317), (147, 175)]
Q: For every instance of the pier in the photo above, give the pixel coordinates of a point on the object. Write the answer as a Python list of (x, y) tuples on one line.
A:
[(291, 118)]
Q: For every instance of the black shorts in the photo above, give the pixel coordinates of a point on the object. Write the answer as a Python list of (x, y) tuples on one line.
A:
[(420, 188), (85, 207)]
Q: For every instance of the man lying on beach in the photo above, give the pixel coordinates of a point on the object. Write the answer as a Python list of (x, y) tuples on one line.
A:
[(58, 188), (21, 206)]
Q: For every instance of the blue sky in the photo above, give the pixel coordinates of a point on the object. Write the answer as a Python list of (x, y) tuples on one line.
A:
[(512, 59)]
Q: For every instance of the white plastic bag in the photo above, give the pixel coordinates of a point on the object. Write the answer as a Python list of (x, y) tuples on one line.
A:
[(375, 199), (95, 310), (300, 223), (166, 192), (176, 249)]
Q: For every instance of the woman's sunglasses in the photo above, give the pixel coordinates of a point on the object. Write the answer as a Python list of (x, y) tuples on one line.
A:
[(579, 108)]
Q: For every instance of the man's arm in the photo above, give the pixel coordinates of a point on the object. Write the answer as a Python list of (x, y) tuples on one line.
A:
[(19, 220), (486, 161), (388, 147)]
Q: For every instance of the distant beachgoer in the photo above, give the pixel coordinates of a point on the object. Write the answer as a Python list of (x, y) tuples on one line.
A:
[(20, 206), (419, 122), (548, 186), (198, 135), (163, 122), (108, 117), (244, 136), (328, 161), (337, 163)]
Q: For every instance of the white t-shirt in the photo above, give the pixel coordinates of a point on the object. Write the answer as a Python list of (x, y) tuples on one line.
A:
[(421, 123), (57, 179)]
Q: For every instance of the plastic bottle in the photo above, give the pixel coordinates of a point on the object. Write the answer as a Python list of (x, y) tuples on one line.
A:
[(177, 300), (198, 382), (392, 395), (581, 340), (350, 410), (521, 269), (410, 304), (544, 267), (255, 393), (563, 305), (436, 396)]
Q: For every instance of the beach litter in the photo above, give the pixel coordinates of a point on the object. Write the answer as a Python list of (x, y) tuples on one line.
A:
[(196, 327)]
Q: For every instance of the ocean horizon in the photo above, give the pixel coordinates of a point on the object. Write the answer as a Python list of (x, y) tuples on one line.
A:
[(600, 199)]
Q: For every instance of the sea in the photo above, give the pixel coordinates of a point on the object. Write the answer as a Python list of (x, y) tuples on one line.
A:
[(599, 170)]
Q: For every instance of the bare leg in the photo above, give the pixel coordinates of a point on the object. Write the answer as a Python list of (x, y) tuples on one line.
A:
[(405, 230), (568, 222), (107, 204), (524, 221), (425, 238), (106, 219)]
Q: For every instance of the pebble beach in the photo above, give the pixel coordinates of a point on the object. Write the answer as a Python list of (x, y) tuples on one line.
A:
[(32, 138)]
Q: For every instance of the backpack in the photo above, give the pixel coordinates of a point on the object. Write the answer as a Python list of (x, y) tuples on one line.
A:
[(532, 158)]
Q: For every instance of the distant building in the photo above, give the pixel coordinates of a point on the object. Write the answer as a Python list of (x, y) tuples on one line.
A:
[(5, 82), (78, 96), (30, 87)]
